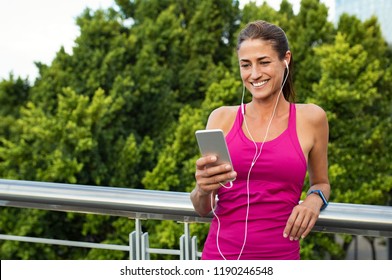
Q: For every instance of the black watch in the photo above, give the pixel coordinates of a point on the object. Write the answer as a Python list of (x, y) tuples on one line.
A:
[(320, 193)]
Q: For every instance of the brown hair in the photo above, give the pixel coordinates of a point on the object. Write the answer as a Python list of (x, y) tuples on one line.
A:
[(276, 36)]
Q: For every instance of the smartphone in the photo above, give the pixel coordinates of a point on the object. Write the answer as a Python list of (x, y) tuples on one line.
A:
[(212, 142)]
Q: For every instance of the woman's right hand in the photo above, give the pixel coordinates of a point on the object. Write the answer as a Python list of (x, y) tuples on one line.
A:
[(210, 177)]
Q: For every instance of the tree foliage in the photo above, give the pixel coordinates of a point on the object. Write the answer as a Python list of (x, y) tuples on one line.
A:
[(121, 110)]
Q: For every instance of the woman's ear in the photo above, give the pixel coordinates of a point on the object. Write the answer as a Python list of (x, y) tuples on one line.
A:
[(287, 58)]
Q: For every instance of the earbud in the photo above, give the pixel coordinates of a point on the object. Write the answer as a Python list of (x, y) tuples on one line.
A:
[(287, 65)]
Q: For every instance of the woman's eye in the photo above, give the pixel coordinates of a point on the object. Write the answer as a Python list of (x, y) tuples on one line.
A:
[(245, 65), (265, 62)]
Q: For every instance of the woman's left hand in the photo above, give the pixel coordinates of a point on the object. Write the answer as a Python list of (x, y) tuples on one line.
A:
[(302, 218)]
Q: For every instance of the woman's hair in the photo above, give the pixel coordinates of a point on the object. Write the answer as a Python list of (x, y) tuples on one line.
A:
[(275, 35)]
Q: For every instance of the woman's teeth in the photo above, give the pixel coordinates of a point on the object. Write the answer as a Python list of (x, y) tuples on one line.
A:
[(260, 83)]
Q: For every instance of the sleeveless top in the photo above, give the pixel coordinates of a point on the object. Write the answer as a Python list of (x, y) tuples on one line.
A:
[(275, 187)]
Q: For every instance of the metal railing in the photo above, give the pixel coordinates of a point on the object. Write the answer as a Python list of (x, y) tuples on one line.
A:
[(367, 220)]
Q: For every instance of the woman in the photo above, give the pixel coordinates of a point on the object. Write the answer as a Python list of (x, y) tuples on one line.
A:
[(273, 143)]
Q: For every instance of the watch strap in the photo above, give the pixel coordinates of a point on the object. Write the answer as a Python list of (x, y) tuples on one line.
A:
[(320, 193)]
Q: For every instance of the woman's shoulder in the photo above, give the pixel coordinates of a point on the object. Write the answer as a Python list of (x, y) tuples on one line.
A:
[(222, 117), (311, 113), (312, 126), (225, 111)]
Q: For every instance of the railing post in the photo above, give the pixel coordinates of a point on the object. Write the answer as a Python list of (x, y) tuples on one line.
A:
[(194, 248), (187, 241), (145, 245), (135, 241), (132, 245), (185, 244), (188, 245), (138, 229)]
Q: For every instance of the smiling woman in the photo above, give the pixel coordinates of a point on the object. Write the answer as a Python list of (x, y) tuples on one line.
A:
[(273, 142)]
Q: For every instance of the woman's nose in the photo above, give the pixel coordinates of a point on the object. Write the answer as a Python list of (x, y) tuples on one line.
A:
[(256, 72)]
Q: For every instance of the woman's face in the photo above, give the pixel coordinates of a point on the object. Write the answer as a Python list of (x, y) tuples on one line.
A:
[(261, 70)]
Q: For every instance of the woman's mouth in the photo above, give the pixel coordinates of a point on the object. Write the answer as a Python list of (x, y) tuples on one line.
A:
[(259, 84)]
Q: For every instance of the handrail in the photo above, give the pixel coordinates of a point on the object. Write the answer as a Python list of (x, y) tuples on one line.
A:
[(357, 219)]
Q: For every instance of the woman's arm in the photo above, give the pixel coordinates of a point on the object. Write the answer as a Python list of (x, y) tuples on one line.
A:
[(305, 215), (208, 178)]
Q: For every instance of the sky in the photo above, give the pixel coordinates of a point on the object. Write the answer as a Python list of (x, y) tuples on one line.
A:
[(35, 30)]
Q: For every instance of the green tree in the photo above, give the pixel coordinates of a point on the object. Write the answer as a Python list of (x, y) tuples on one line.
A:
[(349, 91), (45, 147), (13, 95), (309, 29)]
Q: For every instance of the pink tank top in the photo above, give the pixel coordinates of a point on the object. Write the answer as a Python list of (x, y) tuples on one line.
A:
[(275, 187)]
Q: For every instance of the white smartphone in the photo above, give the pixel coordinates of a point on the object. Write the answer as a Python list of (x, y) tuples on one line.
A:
[(212, 142)]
